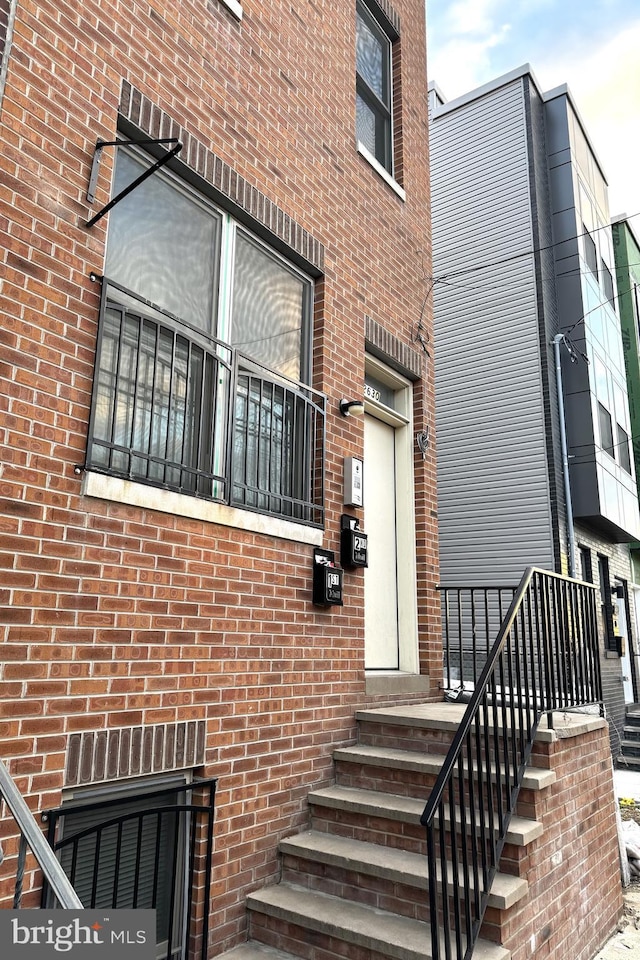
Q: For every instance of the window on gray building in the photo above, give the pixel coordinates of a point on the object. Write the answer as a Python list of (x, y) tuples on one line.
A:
[(590, 252), (607, 283), (624, 455), (606, 430)]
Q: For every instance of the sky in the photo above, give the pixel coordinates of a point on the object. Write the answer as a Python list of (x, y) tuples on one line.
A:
[(591, 45)]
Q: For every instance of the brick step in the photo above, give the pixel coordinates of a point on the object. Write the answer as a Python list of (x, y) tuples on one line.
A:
[(379, 765), (389, 867), (286, 913), (426, 727), (630, 748), (401, 810)]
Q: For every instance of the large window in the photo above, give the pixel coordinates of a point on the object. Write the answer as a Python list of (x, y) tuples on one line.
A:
[(373, 87), (204, 356)]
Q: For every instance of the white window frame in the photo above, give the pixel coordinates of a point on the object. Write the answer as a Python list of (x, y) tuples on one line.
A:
[(386, 173), (234, 7)]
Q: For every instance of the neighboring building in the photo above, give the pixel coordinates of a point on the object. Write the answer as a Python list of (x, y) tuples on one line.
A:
[(173, 456), (626, 252), (522, 255)]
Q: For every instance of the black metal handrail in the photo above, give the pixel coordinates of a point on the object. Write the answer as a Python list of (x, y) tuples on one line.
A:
[(31, 838), (545, 658)]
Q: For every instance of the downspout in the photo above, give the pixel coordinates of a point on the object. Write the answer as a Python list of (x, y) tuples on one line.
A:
[(571, 541)]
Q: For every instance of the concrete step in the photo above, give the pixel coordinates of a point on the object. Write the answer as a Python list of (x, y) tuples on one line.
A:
[(388, 864), (427, 764), (353, 924), (406, 810), (252, 950), (432, 716), (632, 717), (628, 763)]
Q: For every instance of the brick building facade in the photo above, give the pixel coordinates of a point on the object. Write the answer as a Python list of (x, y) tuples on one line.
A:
[(172, 445)]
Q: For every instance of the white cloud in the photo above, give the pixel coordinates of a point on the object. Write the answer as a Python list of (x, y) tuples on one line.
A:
[(604, 77), (472, 16), (605, 83), (462, 64)]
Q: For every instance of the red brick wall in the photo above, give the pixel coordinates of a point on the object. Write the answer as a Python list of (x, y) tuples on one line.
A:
[(573, 869), (114, 616)]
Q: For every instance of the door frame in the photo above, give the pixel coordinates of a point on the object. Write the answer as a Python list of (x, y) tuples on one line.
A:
[(400, 417)]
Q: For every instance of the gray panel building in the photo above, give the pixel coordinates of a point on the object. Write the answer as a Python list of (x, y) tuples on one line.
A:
[(526, 324)]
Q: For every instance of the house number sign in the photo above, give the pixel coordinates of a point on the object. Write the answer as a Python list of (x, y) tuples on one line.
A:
[(371, 393)]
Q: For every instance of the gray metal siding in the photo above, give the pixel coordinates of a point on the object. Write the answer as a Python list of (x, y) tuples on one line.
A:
[(548, 318), (493, 481)]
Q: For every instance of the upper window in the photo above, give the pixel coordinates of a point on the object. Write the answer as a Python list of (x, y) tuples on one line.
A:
[(624, 454), (235, 6), (373, 87), (590, 252), (204, 356), (606, 430), (607, 283)]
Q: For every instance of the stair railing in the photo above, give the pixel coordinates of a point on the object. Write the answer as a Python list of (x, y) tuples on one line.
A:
[(545, 659), (471, 618), (31, 837)]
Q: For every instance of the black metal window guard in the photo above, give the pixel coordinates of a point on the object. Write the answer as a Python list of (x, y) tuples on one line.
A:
[(150, 850), (545, 659), (177, 409)]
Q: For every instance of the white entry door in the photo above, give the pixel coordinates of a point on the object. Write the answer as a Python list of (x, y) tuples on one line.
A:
[(381, 576)]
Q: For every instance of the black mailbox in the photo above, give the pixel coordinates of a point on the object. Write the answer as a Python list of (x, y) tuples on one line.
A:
[(327, 579), (353, 542)]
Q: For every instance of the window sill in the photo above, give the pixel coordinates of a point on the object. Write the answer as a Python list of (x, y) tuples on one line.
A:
[(235, 7), (178, 504), (380, 170)]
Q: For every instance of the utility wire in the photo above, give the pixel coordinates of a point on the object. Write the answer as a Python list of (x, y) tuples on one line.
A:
[(519, 256), (517, 281)]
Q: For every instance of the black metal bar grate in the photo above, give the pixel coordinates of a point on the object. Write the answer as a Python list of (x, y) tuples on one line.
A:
[(182, 411), (154, 851)]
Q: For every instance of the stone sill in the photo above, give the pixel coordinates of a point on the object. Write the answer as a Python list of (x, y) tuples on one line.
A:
[(567, 725), (396, 683)]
